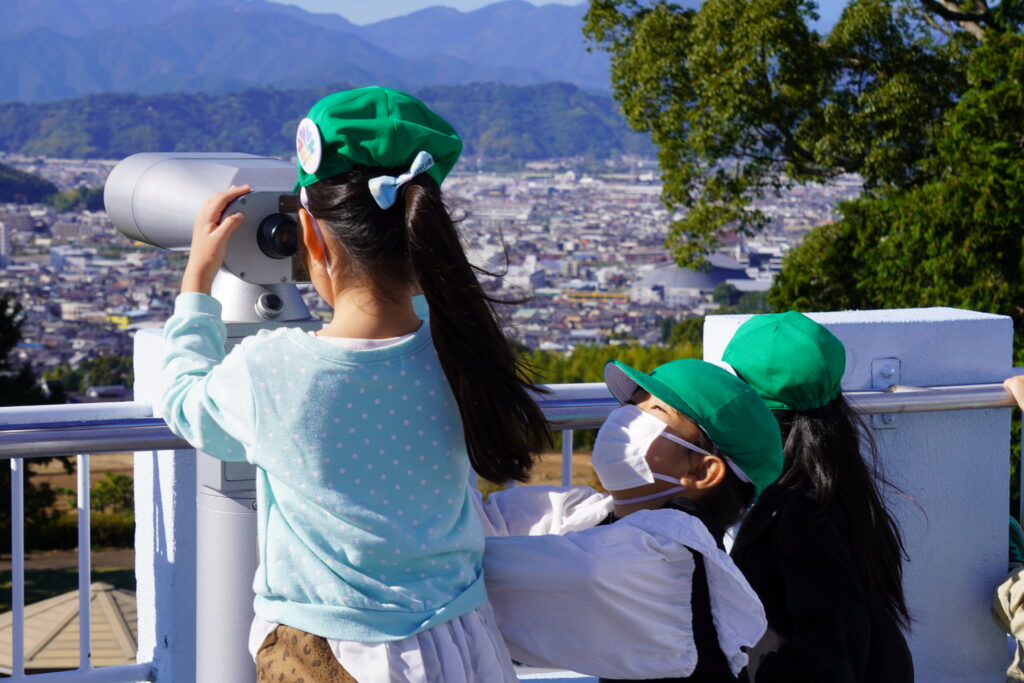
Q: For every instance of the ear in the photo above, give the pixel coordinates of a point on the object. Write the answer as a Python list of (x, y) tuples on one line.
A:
[(706, 473), (313, 246), (315, 263)]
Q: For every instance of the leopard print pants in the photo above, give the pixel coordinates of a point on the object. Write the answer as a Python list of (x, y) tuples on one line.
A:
[(289, 655)]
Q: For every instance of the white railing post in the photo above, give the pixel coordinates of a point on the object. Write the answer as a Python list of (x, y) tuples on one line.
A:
[(84, 566), (954, 467), (165, 547), (17, 566)]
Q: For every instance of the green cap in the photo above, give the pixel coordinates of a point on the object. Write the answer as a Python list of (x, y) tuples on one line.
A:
[(376, 127), (726, 408), (793, 362)]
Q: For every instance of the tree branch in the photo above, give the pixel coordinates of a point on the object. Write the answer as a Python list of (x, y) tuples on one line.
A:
[(976, 22), (941, 28)]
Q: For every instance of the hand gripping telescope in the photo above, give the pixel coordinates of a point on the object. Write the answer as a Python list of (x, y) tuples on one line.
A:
[(154, 197)]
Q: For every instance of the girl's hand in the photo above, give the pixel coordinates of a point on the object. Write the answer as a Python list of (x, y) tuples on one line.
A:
[(1015, 385), (210, 235)]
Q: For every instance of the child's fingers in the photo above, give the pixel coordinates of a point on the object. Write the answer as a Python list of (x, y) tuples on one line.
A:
[(1015, 385), (214, 207), (230, 224)]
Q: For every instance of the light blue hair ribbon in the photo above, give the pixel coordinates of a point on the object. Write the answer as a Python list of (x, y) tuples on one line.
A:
[(385, 188)]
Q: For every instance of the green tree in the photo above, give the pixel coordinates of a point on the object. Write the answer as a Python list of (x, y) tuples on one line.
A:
[(586, 364), (744, 98), (18, 387), (115, 492), (23, 188), (689, 332), (77, 199), (954, 240), (94, 372)]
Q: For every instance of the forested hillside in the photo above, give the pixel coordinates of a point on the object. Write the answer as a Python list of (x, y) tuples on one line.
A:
[(499, 122), (17, 186)]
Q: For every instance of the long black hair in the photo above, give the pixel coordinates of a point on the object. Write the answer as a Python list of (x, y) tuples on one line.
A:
[(415, 241), (822, 456)]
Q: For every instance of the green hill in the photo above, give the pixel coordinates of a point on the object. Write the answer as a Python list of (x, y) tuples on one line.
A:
[(23, 188), (497, 122)]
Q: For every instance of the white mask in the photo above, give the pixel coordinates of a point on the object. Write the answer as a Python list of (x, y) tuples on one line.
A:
[(620, 452)]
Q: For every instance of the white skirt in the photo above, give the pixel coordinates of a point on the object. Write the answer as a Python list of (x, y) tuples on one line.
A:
[(467, 649)]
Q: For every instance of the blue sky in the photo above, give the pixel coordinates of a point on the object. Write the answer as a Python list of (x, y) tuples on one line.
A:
[(369, 11)]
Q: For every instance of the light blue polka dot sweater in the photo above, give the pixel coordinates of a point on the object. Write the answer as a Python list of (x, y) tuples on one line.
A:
[(366, 529)]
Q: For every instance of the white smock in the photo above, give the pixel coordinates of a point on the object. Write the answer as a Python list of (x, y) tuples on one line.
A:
[(467, 649), (610, 601)]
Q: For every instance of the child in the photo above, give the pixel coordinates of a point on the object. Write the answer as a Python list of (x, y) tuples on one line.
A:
[(820, 548), (1008, 600), (652, 596), (363, 434)]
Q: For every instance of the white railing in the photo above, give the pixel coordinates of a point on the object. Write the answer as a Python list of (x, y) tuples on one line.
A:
[(80, 430), (15, 424)]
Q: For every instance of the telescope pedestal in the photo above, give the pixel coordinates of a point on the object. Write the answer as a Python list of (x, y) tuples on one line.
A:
[(226, 544)]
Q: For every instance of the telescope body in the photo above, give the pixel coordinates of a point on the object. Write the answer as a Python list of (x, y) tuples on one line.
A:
[(154, 197)]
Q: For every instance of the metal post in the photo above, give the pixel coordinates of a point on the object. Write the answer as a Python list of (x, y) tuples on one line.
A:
[(566, 457), (18, 567), (84, 566), (226, 561), (226, 540)]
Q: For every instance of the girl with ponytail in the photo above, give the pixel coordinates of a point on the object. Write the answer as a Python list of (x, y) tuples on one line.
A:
[(820, 547), (364, 433)]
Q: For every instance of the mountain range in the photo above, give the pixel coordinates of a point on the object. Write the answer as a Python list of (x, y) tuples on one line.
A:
[(498, 123), (57, 49)]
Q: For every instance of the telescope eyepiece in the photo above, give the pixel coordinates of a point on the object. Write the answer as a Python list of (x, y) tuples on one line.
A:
[(278, 236)]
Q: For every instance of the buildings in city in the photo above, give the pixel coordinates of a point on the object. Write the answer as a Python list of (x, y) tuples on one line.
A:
[(583, 254)]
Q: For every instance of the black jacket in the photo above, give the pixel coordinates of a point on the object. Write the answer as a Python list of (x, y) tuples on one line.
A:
[(712, 666), (822, 623)]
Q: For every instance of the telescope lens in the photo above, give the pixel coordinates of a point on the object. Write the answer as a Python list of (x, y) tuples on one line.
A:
[(278, 236)]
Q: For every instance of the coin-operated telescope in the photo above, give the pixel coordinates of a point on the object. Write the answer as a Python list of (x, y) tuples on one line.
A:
[(154, 197)]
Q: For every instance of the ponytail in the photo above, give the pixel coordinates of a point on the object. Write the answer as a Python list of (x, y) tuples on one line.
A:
[(415, 241), (502, 422), (822, 449)]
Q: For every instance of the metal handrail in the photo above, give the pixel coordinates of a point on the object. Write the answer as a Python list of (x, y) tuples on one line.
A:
[(42, 431), (566, 406)]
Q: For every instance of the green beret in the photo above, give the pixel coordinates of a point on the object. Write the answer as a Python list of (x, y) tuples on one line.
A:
[(375, 127), (791, 361)]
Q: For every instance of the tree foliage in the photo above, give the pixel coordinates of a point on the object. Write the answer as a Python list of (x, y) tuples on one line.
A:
[(18, 387), (94, 372), (743, 98), (586, 364), (498, 121), (23, 188), (953, 240), (114, 493), (77, 199)]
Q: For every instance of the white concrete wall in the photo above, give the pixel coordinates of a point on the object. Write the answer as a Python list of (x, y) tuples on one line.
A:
[(165, 533), (954, 465)]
